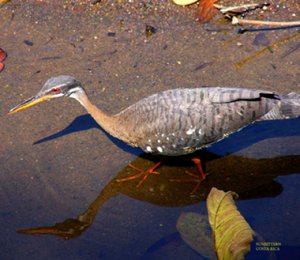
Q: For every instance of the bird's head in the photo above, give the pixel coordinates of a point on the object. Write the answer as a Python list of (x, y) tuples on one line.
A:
[(60, 86)]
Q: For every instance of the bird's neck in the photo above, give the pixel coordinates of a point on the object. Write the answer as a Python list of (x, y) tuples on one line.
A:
[(108, 122)]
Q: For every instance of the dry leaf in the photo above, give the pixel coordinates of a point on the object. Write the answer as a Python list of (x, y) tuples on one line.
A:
[(206, 10), (232, 234), (2, 2)]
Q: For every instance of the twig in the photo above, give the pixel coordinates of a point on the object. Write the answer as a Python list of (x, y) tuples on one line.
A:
[(267, 48), (240, 8), (235, 20)]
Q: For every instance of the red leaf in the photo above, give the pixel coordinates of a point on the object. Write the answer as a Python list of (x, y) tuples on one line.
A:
[(2, 55), (206, 10)]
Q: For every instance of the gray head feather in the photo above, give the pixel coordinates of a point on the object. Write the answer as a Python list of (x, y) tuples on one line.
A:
[(64, 82)]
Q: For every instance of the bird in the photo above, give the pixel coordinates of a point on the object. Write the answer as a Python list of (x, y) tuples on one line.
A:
[(177, 121)]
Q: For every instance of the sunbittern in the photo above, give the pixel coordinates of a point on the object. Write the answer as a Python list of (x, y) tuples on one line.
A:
[(178, 121)]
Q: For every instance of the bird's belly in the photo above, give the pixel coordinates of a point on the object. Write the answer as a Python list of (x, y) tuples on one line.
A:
[(170, 151), (181, 142), (174, 146)]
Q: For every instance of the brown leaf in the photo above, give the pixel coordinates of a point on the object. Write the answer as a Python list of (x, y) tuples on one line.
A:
[(206, 10)]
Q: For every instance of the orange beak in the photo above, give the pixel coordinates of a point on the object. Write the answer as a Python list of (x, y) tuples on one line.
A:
[(28, 103)]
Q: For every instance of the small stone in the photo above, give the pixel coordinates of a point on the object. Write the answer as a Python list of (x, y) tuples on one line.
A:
[(150, 30), (29, 43), (111, 34)]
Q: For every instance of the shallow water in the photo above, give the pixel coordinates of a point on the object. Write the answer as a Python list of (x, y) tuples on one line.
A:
[(58, 166), (120, 220)]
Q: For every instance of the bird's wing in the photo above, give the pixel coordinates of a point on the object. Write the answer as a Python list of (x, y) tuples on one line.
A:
[(188, 122), (223, 112), (227, 95)]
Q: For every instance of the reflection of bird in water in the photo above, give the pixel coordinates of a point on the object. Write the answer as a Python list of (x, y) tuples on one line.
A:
[(178, 121), (257, 181)]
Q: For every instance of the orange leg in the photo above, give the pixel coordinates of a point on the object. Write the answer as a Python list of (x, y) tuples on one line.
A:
[(194, 177), (146, 173)]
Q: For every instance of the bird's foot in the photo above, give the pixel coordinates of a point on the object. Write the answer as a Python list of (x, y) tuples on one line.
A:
[(198, 178), (146, 173)]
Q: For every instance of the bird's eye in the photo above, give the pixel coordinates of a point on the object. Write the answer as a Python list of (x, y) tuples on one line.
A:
[(55, 90)]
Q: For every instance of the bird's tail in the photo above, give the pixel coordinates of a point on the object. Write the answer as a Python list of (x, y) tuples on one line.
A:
[(290, 105)]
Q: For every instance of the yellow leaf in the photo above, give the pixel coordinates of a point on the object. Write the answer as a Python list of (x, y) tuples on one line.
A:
[(2, 2), (232, 234), (184, 2)]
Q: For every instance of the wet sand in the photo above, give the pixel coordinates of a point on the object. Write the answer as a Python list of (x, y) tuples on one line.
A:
[(106, 47)]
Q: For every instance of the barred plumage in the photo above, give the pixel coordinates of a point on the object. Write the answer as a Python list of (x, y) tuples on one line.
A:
[(181, 121)]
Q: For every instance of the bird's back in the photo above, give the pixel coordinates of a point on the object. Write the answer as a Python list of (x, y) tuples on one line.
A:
[(180, 121)]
